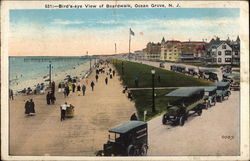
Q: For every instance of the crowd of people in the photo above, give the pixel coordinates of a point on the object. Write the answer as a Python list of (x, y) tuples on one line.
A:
[(68, 87)]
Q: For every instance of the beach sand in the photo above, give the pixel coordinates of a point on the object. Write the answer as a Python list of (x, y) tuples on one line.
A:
[(82, 135), (78, 71)]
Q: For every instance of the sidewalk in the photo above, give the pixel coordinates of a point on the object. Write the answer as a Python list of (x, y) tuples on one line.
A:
[(86, 132)]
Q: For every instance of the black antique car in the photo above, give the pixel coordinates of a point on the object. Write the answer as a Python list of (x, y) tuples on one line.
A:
[(173, 67), (191, 71), (227, 69), (208, 74), (210, 96), (162, 65), (181, 69), (227, 77), (188, 99), (222, 91), (235, 83), (127, 139)]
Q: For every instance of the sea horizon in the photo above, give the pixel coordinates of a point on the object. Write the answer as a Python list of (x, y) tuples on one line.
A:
[(36, 68)]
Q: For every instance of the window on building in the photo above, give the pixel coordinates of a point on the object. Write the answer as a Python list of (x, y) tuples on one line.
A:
[(228, 59), (236, 53), (169, 57), (219, 60), (170, 50), (227, 52), (219, 52), (224, 46)]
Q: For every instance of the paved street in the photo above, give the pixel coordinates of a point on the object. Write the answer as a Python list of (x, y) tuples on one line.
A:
[(200, 135), (168, 64)]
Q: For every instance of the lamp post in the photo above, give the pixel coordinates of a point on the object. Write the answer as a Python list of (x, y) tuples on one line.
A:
[(153, 90), (50, 66), (122, 69)]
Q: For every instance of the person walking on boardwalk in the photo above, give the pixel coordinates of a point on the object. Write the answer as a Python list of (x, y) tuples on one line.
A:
[(53, 87), (134, 117), (27, 107), (106, 80), (113, 72), (32, 107), (66, 90), (73, 87), (11, 96), (96, 78), (63, 110), (48, 98), (83, 89), (110, 75), (92, 85), (78, 89), (52, 98)]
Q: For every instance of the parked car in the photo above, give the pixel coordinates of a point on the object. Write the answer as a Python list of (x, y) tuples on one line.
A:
[(181, 69), (173, 67), (227, 69), (222, 91), (210, 96), (127, 139), (162, 65), (191, 71), (208, 74), (212, 76), (190, 99), (228, 77), (235, 83)]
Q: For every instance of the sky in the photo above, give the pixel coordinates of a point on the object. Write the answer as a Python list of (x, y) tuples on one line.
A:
[(96, 31)]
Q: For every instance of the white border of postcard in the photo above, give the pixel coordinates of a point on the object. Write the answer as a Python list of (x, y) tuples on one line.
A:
[(244, 35)]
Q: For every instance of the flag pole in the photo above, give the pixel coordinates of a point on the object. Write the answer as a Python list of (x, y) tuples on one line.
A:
[(115, 48), (129, 43)]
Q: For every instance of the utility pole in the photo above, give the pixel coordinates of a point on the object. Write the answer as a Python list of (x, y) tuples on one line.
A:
[(153, 90)]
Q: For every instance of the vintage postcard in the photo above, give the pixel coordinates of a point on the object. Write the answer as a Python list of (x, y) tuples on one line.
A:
[(124, 80)]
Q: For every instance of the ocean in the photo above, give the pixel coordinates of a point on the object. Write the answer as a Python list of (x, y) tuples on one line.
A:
[(22, 69)]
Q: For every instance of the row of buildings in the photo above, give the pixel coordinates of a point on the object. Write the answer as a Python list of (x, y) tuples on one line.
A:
[(214, 52)]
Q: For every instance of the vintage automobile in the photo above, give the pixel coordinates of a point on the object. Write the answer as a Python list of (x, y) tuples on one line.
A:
[(181, 69), (227, 69), (189, 99), (127, 139), (227, 77), (235, 83), (222, 91), (191, 71), (173, 67), (208, 74), (210, 96), (162, 65)]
